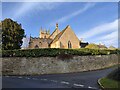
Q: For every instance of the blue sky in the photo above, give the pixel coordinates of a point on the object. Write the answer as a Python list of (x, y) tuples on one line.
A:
[(94, 22)]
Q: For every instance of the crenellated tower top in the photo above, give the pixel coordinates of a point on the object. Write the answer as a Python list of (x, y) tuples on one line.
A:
[(44, 33)]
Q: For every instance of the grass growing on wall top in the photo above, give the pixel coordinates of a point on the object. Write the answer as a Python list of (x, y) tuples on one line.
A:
[(52, 52)]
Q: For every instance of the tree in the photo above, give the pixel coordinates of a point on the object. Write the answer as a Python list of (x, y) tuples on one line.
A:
[(0, 35), (92, 46), (12, 35), (112, 48)]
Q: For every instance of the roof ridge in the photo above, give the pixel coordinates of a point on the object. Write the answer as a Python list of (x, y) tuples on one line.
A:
[(53, 32), (61, 33)]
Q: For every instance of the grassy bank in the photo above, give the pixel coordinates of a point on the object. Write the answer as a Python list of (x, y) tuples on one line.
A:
[(112, 80), (109, 83)]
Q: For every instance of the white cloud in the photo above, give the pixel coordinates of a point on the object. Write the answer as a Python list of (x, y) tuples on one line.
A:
[(65, 18), (26, 7), (109, 36), (107, 39), (25, 42), (109, 42), (107, 27), (60, 0), (0, 11), (35, 0)]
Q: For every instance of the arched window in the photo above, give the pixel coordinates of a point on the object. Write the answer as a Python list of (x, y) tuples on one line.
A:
[(44, 36), (60, 45), (69, 44), (40, 44), (36, 46)]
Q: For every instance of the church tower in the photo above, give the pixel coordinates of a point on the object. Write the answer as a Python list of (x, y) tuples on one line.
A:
[(44, 33)]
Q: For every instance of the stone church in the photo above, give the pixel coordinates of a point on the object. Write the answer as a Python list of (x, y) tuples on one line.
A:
[(58, 39)]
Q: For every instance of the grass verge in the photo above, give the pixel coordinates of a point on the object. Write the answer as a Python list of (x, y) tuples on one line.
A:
[(108, 83)]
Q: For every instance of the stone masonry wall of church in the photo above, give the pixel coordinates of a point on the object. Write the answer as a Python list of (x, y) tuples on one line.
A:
[(68, 35), (39, 42)]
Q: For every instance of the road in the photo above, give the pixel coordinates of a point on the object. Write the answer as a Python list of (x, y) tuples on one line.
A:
[(72, 80)]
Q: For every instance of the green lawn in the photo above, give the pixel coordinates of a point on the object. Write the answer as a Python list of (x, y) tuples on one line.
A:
[(109, 83)]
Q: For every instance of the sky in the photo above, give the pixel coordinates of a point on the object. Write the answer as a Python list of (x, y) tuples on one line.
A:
[(93, 22)]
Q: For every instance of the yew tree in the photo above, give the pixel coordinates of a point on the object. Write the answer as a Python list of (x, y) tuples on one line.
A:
[(12, 34)]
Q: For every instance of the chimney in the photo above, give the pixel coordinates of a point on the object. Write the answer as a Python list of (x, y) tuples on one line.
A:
[(81, 39), (56, 25)]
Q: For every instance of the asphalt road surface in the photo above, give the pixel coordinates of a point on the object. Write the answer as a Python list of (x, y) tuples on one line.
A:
[(72, 80)]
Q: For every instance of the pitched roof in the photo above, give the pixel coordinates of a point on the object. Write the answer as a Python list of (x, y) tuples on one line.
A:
[(54, 32), (59, 35), (101, 46), (111, 47)]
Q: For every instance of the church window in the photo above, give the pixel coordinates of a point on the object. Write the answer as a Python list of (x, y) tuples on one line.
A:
[(69, 44), (60, 45), (44, 36), (40, 44), (36, 46)]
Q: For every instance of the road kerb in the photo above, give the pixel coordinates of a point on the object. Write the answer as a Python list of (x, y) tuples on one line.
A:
[(102, 87)]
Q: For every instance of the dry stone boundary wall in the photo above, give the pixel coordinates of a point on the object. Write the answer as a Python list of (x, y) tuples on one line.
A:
[(53, 65)]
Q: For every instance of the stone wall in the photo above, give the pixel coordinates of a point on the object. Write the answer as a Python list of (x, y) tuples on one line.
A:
[(52, 65), (40, 42)]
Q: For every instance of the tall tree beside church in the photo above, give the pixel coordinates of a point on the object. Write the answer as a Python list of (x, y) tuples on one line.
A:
[(0, 35), (12, 35)]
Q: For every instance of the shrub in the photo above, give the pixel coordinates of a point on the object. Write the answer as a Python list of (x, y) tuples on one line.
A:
[(92, 46), (52, 52)]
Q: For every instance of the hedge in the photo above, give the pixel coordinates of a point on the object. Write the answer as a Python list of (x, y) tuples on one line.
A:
[(52, 52)]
